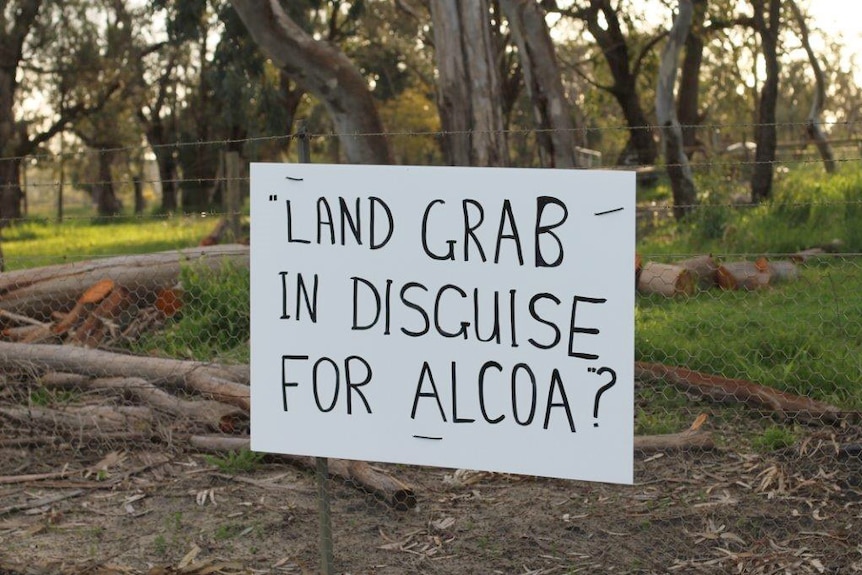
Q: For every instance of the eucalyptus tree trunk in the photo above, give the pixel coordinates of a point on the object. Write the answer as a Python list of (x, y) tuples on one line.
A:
[(688, 102), (765, 132), (469, 89), (604, 25), (13, 136), (678, 169), (812, 125), (323, 70), (552, 114)]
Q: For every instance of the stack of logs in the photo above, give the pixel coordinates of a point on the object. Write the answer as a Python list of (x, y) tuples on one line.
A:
[(686, 277), (105, 304)]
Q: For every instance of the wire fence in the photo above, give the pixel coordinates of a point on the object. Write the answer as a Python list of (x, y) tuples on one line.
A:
[(124, 407)]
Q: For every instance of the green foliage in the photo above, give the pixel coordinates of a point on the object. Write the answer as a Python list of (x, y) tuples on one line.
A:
[(773, 438), (661, 409), (40, 242), (42, 397), (242, 461), (803, 337), (214, 321), (228, 531), (809, 208)]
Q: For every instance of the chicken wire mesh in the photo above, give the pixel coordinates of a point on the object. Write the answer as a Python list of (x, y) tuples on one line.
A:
[(124, 416)]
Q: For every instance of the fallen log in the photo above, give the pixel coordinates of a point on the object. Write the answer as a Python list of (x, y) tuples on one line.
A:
[(26, 332), (743, 275), (214, 415), (693, 438), (738, 390), (99, 417), (21, 319), (103, 318), (394, 492), (665, 279), (38, 292), (783, 271), (210, 380), (80, 438), (93, 295), (703, 270)]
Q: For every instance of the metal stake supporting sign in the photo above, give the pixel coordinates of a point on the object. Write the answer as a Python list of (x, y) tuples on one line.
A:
[(322, 465)]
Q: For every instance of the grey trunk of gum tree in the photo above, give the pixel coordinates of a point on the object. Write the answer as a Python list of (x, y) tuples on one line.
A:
[(552, 115), (676, 162), (688, 96), (812, 126), (765, 132), (323, 70), (469, 90)]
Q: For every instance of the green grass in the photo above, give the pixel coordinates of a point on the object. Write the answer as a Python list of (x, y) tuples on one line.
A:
[(810, 208), (40, 242), (803, 337), (242, 461), (773, 438), (214, 323)]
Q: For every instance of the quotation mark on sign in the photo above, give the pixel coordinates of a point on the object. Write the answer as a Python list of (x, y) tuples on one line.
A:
[(273, 197)]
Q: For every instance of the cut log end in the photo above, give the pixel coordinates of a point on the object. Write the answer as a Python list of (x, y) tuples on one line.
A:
[(743, 275), (666, 279)]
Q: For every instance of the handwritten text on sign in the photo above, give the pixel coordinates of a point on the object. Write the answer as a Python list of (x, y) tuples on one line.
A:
[(473, 318)]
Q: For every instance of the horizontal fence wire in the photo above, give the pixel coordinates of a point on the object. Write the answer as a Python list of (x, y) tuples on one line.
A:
[(124, 402)]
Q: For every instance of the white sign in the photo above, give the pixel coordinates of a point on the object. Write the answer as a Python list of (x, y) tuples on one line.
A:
[(478, 318)]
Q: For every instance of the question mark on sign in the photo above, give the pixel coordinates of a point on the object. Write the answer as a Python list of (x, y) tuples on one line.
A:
[(602, 389)]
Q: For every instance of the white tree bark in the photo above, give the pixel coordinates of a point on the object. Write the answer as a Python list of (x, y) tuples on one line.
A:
[(678, 168), (469, 91), (323, 70), (813, 127), (552, 112)]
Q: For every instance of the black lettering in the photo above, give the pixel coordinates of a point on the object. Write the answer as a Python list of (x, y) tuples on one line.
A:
[(470, 229), (314, 380), (388, 307), (284, 383), (451, 254), (557, 383), (417, 307), (508, 216), (535, 315), (301, 293), (543, 202), (495, 331), (356, 325), (290, 238), (372, 202), (426, 369), (354, 386), (524, 367), (512, 294), (577, 329), (324, 219), (310, 303), (455, 418), (284, 314), (485, 367), (437, 306), (351, 221)]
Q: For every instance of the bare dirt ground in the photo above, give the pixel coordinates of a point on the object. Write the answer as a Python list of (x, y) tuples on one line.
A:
[(158, 509)]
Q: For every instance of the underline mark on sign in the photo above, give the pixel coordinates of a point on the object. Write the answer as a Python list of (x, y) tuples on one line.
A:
[(427, 437), (608, 212), (301, 179)]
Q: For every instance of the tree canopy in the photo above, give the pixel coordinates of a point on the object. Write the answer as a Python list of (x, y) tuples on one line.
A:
[(498, 82)]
